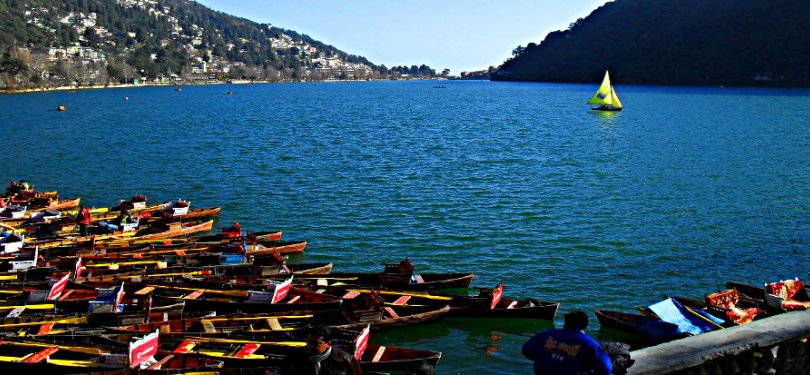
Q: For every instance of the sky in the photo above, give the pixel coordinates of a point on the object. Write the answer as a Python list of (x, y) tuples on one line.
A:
[(460, 35)]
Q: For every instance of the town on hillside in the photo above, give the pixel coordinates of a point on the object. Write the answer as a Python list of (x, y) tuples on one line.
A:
[(85, 43)]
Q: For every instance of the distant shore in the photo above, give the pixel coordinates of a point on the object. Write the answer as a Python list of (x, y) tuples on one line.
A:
[(179, 83)]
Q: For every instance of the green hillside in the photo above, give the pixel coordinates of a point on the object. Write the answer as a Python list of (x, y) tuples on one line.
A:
[(77, 42), (688, 42)]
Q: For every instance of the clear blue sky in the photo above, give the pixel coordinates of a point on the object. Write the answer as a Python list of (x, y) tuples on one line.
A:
[(460, 35)]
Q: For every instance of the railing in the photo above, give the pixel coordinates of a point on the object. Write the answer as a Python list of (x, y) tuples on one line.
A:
[(775, 345)]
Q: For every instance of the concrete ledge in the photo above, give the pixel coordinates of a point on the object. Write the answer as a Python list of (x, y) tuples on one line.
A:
[(693, 351)]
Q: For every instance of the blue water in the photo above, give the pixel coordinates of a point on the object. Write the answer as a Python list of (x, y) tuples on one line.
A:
[(686, 189)]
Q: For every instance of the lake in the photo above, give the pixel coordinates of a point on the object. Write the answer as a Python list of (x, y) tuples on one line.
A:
[(686, 189)]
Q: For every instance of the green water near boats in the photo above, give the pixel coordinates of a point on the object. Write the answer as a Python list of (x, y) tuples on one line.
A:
[(685, 189)]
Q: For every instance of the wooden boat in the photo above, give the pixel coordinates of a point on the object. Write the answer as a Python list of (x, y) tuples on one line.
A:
[(728, 305), (391, 316), (651, 331), (62, 300), (389, 358), (489, 303), (174, 230), (787, 295), (191, 213), (128, 243), (271, 324), (395, 276), (234, 234), (56, 241), (251, 353), (61, 204), (231, 301), (753, 295), (34, 357), (190, 257), (606, 97), (226, 324), (37, 325), (263, 247), (113, 212), (205, 277), (133, 247)]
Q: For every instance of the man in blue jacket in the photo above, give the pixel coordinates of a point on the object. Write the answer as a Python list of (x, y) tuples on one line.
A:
[(568, 351)]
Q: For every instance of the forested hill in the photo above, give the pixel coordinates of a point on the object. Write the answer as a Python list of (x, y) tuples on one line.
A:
[(685, 42), (51, 42)]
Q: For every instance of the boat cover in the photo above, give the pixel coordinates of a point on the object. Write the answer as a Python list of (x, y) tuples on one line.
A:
[(692, 321)]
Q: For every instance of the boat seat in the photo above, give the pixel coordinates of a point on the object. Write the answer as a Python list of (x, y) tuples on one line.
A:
[(185, 347), (792, 294), (294, 300), (208, 326), (351, 294), (727, 302), (247, 350), (162, 362), (45, 328), (274, 324), (401, 300), (41, 355), (378, 354), (66, 295), (391, 312), (365, 316), (194, 295), (144, 291)]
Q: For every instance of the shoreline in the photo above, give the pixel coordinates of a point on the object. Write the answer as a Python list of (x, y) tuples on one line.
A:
[(183, 83)]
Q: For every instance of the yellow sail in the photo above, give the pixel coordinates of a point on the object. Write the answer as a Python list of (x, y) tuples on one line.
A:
[(615, 98), (605, 95)]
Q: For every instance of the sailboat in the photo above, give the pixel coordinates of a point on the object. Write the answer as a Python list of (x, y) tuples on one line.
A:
[(606, 97)]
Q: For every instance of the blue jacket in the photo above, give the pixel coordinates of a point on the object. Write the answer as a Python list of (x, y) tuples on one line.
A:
[(567, 352)]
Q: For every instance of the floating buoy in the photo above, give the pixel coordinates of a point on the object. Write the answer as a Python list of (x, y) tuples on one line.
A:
[(126, 98), (178, 89), (230, 92), (61, 108)]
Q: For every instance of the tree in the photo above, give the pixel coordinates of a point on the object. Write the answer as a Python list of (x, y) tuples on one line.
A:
[(90, 37), (115, 73), (12, 66)]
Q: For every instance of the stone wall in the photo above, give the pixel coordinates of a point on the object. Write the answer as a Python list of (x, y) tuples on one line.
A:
[(775, 346)]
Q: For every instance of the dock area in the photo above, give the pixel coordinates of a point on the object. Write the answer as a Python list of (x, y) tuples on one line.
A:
[(775, 345)]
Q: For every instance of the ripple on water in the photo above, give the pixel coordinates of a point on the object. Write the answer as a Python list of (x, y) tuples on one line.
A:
[(514, 182)]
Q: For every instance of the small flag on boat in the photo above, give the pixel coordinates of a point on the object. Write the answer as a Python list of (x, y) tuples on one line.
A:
[(58, 287), (361, 342), (77, 271), (119, 296), (282, 290), (143, 349)]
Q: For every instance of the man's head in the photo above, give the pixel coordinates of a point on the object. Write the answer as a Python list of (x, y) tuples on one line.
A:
[(318, 340), (576, 320)]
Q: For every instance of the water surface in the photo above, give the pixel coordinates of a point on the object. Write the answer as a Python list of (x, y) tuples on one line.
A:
[(684, 190)]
